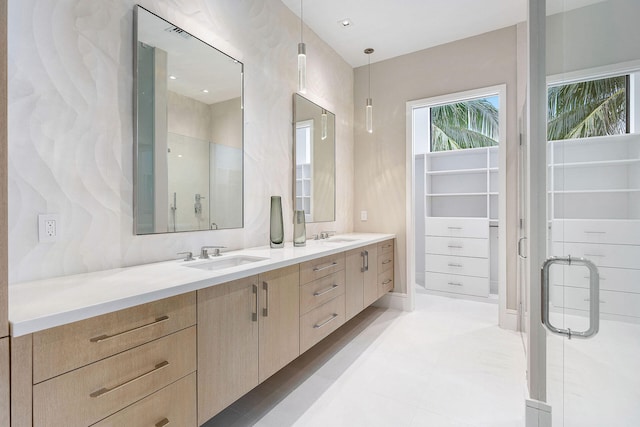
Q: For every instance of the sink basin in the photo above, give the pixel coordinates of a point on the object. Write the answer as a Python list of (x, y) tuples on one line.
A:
[(222, 262), (340, 239)]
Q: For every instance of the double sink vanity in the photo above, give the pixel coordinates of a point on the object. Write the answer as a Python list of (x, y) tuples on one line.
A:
[(174, 343)]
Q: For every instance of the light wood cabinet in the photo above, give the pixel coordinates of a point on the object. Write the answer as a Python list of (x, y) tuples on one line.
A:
[(279, 336), (174, 405), (227, 344), (320, 322), (361, 278), (4, 382), (370, 275)]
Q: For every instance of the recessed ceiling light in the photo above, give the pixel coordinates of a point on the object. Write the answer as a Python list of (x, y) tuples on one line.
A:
[(205, 91), (346, 22), (173, 77)]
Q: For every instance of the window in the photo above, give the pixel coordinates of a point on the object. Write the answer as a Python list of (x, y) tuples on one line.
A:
[(588, 108)]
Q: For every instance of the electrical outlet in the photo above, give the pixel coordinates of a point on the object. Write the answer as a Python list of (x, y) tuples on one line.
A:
[(363, 215), (48, 227)]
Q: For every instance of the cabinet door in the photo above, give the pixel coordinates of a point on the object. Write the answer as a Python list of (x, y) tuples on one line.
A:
[(227, 344), (370, 275), (279, 319), (4, 382), (354, 291)]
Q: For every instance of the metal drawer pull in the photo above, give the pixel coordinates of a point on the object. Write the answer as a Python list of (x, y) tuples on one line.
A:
[(265, 310), (254, 315), (163, 422), (333, 264), (104, 391), (320, 325), (387, 246), (108, 337), (601, 301), (455, 283), (454, 247), (386, 262), (454, 265), (326, 291), (595, 232), (454, 228), (386, 282), (595, 255)]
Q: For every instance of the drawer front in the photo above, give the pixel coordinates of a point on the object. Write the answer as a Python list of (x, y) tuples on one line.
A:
[(596, 231), (385, 282), (611, 279), (457, 227), (457, 284), (385, 262), (316, 293), (478, 248), (67, 347), (620, 256), (319, 323), (91, 393), (466, 266), (174, 405), (317, 268), (611, 302), (385, 247)]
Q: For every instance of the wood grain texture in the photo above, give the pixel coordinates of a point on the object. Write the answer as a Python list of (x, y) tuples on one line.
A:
[(175, 403), (227, 344), (279, 336), (354, 288), (320, 267), (4, 382), (63, 348), (316, 293), (21, 381), (320, 322), (67, 400), (370, 277), (4, 268)]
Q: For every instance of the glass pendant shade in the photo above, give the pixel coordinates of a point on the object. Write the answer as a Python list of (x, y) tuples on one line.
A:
[(302, 68), (369, 115)]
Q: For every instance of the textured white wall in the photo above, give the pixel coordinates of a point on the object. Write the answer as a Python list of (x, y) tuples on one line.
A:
[(70, 126)]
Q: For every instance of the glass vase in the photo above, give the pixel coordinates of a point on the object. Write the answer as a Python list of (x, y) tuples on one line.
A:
[(276, 235), (299, 229)]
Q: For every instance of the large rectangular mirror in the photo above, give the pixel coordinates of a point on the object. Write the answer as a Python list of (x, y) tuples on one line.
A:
[(188, 166), (315, 161)]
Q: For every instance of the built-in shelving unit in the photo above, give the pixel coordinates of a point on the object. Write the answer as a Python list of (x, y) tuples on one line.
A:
[(304, 189), (594, 212), (460, 205)]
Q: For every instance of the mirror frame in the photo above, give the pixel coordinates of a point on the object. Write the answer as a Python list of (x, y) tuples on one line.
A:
[(135, 126), (294, 127)]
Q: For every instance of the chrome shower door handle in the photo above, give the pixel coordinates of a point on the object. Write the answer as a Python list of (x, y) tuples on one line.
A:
[(594, 296)]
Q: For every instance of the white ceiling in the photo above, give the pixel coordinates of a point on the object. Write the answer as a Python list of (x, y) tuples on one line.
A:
[(398, 27)]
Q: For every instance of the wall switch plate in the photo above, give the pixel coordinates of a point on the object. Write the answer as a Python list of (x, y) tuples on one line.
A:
[(363, 215), (48, 227)]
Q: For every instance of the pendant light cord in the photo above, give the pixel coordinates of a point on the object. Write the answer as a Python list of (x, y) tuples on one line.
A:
[(369, 55), (301, 21)]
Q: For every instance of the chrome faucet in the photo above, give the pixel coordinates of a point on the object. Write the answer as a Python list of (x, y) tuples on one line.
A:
[(204, 252), (326, 234), (188, 255)]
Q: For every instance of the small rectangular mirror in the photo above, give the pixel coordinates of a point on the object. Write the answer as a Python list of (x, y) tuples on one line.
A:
[(315, 161), (188, 166)]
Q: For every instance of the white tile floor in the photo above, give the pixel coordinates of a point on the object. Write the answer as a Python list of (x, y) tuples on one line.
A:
[(445, 364)]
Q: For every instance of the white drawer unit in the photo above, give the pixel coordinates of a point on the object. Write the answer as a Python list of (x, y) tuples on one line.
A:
[(621, 232), (611, 302), (457, 227), (465, 266), (458, 284), (602, 255), (478, 248), (611, 279)]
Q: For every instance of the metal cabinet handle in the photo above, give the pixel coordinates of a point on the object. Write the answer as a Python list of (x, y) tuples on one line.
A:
[(103, 391), (362, 269), (366, 260), (265, 310), (386, 262), (333, 317), (595, 232), (455, 246), (163, 422), (454, 265), (318, 293), (387, 246), (105, 337), (595, 255), (455, 283), (386, 282), (520, 253), (594, 296), (254, 315), (333, 264), (454, 228)]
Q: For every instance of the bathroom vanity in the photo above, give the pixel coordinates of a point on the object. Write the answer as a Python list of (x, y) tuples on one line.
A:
[(176, 342)]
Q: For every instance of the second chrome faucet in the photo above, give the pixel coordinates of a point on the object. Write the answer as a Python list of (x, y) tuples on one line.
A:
[(204, 251)]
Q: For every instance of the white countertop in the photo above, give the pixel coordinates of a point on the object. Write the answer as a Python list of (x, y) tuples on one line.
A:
[(44, 304)]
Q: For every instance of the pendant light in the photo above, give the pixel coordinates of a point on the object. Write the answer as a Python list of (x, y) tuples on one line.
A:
[(323, 125), (302, 59), (369, 104)]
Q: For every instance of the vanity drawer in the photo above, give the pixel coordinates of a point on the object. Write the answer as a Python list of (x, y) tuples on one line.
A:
[(466, 285), (611, 279), (478, 248), (385, 262), (174, 405), (602, 255), (67, 347), (622, 232), (320, 322), (385, 247), (316, 293), (457, 227), (320, 267), (91, 393), (611, 302), (385, 282), (466, 266)]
